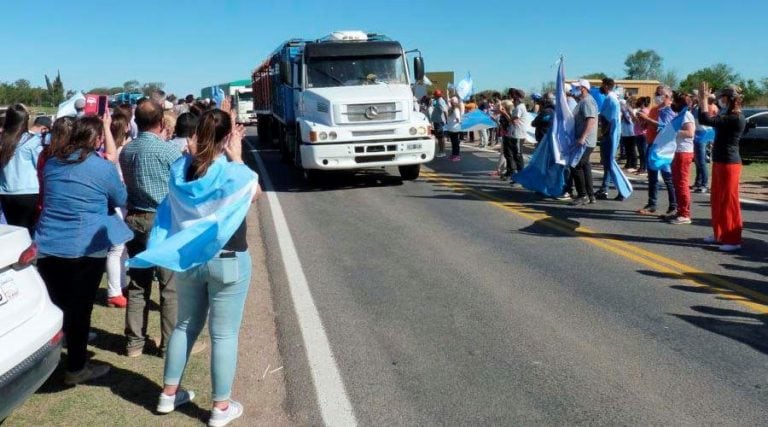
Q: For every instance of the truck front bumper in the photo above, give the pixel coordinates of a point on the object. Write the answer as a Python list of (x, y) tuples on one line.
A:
[(367, 154)]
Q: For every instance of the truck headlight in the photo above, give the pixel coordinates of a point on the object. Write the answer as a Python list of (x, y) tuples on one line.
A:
[(332, 135), (422, 130), (412, 131), (322, 136)]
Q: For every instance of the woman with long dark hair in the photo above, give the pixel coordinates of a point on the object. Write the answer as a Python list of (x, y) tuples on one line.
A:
[(77, 226), (200, 232), (19, 151), (726, 166)]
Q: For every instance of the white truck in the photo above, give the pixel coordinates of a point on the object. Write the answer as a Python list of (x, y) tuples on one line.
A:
[(343, 102), (242, 99)]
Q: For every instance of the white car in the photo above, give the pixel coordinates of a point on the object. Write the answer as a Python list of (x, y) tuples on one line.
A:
[(30, 324)]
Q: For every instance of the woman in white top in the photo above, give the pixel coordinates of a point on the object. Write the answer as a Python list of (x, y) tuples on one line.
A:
[(681, 164), (453, 127)]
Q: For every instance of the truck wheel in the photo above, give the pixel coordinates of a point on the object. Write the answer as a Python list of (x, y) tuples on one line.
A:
[(410, 172)]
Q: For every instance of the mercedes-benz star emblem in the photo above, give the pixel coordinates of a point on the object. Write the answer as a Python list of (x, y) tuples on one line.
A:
[(371, 112)]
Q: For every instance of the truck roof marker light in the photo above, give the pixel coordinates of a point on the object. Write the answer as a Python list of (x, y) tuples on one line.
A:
[(349, 35)]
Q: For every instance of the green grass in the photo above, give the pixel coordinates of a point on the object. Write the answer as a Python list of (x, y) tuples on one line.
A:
[(128, 394), (756, 172)]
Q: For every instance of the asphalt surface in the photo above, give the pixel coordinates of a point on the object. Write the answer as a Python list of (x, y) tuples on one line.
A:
[(456, 299)]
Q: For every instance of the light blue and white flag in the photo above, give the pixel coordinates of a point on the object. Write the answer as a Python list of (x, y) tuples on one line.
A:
[(476, 120), (610, 115), (465, 88), (545, 172), (198, 217), (663, 148), (218, 96)]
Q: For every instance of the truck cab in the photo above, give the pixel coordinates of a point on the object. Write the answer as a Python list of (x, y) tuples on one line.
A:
[(345, 102)]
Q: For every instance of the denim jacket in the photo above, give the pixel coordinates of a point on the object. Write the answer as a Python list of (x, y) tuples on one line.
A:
[(19, 176), (78, 216)]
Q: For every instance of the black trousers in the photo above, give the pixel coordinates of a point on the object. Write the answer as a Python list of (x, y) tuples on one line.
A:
[(72, 285), (630, 149), (455, 143), (20, 210), (582, 175), (513, 153)]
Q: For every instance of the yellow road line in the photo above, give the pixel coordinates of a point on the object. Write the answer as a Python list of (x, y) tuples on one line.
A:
[(726, 289)]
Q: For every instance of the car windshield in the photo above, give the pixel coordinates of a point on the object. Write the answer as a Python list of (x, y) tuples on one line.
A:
[(329, 72)]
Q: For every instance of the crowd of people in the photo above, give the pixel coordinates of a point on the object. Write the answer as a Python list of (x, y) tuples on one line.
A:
[(709, 132), (92, 192)]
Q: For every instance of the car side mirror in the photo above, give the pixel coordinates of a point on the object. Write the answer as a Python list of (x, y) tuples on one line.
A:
[(418, 68), (285, 72)]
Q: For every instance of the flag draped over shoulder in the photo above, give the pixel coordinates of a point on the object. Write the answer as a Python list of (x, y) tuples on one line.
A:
[(611, 113), (198, 217), (545, 172), (663, 148)]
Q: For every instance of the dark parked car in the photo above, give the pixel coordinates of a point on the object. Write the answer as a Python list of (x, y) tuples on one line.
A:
[(754, 143)]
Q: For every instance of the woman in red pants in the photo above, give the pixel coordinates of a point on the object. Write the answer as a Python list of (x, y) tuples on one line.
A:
[(681, 165), (726, 167)]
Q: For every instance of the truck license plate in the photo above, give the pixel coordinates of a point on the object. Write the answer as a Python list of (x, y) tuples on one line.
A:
[(416, 146)]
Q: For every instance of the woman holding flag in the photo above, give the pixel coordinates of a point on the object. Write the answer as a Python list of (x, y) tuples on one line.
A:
[(200, 232), (726, 166)]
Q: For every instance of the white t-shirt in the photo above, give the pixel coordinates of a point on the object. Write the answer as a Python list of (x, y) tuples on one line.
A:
[(684, 144), (519, 112)]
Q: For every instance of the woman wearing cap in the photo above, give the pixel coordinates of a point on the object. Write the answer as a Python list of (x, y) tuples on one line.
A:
[(726, 166)]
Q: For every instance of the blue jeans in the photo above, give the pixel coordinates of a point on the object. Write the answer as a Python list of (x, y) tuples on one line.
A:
[(198, 292), (653, 188), (700, 157)]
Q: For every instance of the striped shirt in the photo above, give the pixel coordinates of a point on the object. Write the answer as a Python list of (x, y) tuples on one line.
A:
[(146, 165)]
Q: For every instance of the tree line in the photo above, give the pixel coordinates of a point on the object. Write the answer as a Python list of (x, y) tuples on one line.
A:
[(22, 91), (649, 65)]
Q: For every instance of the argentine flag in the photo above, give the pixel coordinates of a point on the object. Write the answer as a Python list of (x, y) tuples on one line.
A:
[(198, 217), (545, 172), (476, 120), (663, 148), (465, 88)]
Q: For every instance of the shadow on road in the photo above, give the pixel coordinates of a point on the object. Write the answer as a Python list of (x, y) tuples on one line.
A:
[(741, 326)]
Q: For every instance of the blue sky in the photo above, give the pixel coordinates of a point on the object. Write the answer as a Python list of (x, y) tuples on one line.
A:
[(194, 43)]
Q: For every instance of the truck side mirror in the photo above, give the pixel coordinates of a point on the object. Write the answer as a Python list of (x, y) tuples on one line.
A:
[(418, 68), (285, 72)]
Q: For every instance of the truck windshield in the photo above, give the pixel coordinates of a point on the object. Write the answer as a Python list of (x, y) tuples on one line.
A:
[(330, 72), (245, 96)]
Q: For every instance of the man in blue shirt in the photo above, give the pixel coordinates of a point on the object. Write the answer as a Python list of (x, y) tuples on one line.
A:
[(146, 164)]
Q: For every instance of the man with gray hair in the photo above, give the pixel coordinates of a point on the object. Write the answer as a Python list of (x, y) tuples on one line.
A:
[(659, 116)]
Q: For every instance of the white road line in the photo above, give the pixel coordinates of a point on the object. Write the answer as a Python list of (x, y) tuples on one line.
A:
[(329, 387), (640, 178)]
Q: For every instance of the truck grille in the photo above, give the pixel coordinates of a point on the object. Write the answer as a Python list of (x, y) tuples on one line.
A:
[(371, 112)]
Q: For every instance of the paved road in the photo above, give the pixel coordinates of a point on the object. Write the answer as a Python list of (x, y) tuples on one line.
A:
[(458, 300)]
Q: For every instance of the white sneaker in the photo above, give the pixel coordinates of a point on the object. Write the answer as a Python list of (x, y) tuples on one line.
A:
[(729, 248), (167, 404), (710, 239), (221, 418)]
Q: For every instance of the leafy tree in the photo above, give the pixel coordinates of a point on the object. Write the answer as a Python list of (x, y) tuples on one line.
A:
[(751, 91), (643, 65), (718, 76), (595, 76), (55, 89), (149, 87), (131, 86), (669, 78)]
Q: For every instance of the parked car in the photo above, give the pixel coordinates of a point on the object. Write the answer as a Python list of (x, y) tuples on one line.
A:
[(754, 142), (30, 324)]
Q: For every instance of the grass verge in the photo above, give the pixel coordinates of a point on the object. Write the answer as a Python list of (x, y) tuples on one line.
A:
[(128, 394)]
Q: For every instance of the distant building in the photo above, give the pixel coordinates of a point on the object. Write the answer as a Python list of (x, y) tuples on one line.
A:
[(635, 88)]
